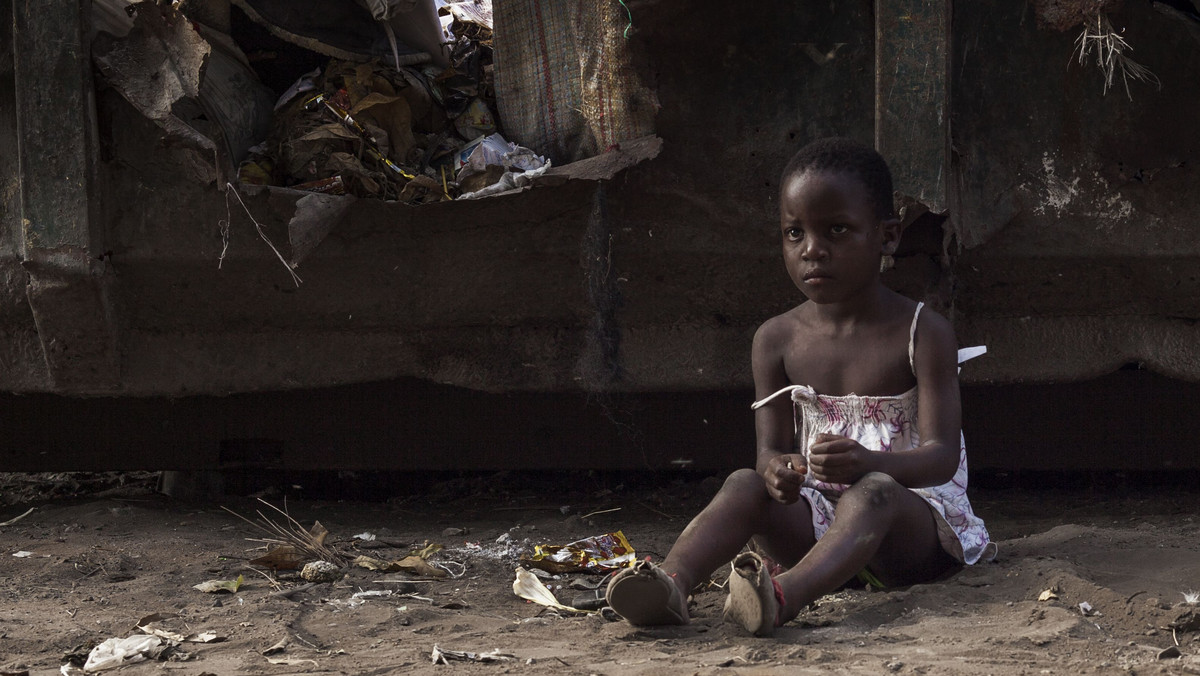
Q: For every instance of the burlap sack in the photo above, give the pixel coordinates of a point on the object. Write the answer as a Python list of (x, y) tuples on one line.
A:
[(565, 84)]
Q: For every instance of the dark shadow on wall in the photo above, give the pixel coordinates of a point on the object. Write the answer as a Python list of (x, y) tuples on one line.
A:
[(1131, 421)]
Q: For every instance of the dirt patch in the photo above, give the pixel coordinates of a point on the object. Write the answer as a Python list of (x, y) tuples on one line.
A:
[(98, 563)]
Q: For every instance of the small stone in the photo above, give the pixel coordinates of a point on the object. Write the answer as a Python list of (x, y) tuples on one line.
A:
[(321, 571), (895, 665), (1170, 653), (452, 532)]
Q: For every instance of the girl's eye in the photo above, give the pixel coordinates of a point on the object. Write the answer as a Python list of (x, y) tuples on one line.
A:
[(793, 233), (838, 229)]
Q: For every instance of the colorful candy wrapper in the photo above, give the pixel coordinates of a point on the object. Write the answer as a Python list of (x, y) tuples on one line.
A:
[(599, 554)]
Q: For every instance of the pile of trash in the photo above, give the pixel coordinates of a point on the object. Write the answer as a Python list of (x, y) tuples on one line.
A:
[(404, 125)]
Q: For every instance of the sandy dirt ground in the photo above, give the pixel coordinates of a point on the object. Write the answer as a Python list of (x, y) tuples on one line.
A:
[(99, 552)]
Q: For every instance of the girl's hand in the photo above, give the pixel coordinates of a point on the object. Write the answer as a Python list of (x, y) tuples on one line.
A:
[(784, 476), (838, 460)]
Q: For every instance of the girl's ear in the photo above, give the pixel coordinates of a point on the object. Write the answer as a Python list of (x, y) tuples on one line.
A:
[(891, 234)]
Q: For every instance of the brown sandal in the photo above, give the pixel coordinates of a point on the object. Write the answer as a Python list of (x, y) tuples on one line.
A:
[(754, 597), (646, 596)]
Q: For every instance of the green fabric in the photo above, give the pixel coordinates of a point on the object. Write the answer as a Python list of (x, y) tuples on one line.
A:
[(869, 579)]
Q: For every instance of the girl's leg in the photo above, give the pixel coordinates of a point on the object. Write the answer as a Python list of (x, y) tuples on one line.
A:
[(741, 510), (878, 523)]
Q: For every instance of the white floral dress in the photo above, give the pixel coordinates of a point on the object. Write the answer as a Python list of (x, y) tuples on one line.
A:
[(886, 424)]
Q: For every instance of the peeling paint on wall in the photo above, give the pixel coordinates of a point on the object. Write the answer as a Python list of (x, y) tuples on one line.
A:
[(1060, 195)]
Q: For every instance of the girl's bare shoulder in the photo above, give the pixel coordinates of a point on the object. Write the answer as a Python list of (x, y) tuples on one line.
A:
[(935, 335), (934, 324), (778, 331)]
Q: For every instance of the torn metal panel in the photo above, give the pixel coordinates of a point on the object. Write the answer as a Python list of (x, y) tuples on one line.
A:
[(192, 81), (158, 63)]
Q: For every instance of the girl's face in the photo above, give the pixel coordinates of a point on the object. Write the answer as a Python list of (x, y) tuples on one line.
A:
[(832, 238)]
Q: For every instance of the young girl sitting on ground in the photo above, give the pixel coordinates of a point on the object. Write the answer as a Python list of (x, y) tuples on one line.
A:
[(861, 469)]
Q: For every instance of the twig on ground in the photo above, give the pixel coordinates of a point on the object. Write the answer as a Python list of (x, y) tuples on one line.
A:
[(272, 581), (292, 534), (18, 518), (662, 514), (287, 593)]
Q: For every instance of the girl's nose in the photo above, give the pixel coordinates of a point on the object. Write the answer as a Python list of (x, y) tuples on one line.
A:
[(813, 250)]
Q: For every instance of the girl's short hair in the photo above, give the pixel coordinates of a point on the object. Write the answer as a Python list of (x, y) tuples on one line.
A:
[(843, 154)]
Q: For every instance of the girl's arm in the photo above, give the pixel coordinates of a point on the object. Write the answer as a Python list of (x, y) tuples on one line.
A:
[(774, 423), (939, 410)]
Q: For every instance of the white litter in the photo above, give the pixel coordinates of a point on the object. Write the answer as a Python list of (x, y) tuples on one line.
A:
[(117, 652)]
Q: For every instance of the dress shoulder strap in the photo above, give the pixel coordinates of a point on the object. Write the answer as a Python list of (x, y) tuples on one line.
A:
[(765, 400), (912, 338)]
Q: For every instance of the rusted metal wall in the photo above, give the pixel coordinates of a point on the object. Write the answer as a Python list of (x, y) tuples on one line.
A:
[(1067, 242), (1075, 210)]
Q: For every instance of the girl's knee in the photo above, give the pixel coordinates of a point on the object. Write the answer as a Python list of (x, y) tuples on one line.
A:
[(744, 481), (875, 490)]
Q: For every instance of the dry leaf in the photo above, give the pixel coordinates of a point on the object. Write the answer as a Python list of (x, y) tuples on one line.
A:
[(374, 564), (1047, 594), (283, 557), (318, 533), (212, 586), (528, 587), (409, 564), (429, 550), (419, 566)]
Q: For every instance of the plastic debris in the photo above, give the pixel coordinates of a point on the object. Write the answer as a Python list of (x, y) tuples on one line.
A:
[(167, 625), (22, 554), (1086, 609), (598, 554), (509, 180), (359, 598), (442, 656), (117, 652)]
